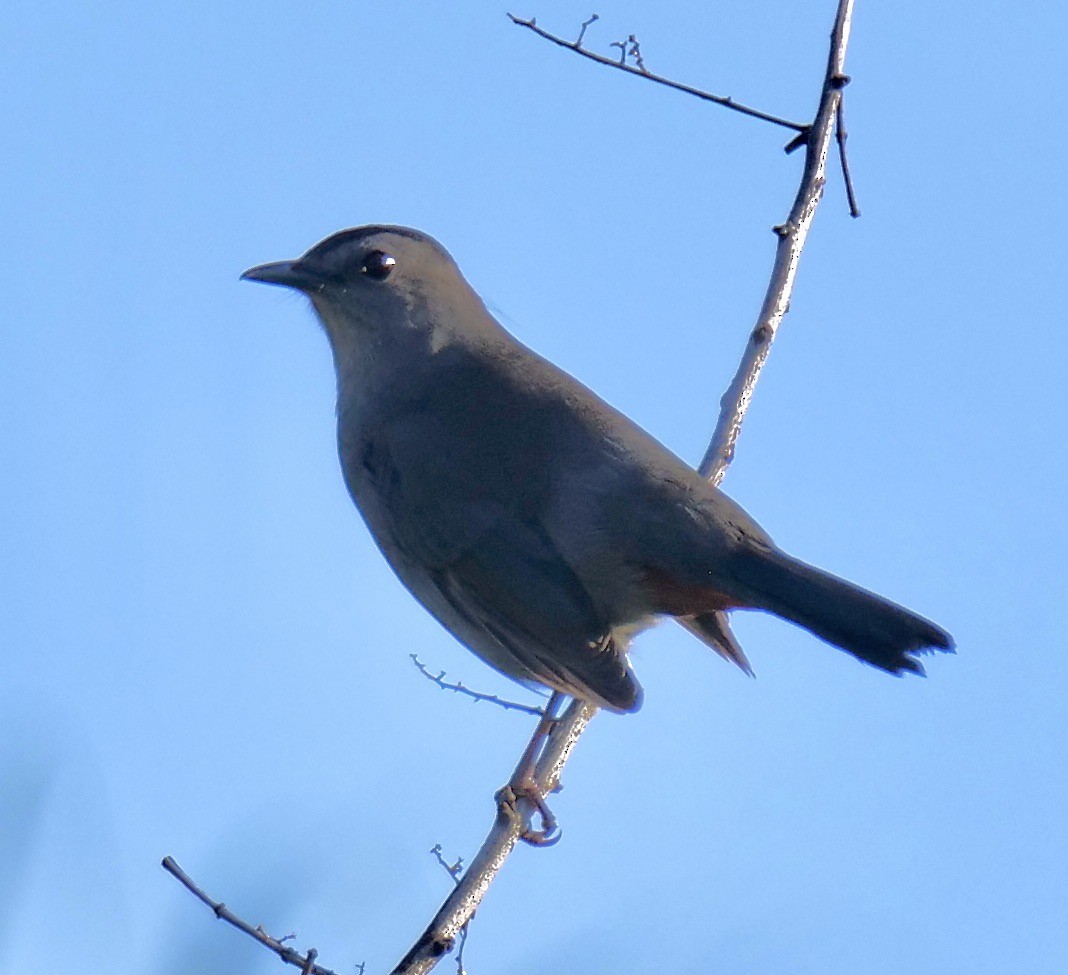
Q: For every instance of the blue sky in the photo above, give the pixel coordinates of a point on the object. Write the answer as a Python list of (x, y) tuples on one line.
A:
[(203, 655)]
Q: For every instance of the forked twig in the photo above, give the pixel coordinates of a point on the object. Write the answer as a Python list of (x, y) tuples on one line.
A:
[(630, 48)]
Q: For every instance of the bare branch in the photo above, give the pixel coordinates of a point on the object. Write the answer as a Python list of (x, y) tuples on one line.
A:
[(306, 962), (641, 72), (792, 235), (459, 688)]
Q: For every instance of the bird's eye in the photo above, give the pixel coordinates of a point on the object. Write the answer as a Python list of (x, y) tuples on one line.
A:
[(378, 265)]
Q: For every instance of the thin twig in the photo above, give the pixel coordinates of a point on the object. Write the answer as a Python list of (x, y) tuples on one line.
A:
[(792, 234), (725, 101), (306, 962), (585, 25), (841, 136), (465, 931), (459, 688), (452, 869)]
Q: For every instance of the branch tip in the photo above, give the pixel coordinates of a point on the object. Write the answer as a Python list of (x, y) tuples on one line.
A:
[(798, 141), (306, 962)]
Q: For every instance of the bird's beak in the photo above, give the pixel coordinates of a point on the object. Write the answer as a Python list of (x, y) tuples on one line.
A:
[(288, 274)]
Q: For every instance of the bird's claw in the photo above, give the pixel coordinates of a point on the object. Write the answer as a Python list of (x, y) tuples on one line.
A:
[(508, 802)]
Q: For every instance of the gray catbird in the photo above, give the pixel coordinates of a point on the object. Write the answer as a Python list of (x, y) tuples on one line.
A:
[(538, 524)]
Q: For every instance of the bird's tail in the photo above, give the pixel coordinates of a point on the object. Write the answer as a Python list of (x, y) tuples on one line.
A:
[(871, 628)]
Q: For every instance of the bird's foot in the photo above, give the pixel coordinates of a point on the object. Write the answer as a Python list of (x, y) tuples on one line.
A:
[(523, 784), (508, 803)]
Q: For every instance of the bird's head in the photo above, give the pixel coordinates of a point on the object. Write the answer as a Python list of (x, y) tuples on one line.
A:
[(380, 289)]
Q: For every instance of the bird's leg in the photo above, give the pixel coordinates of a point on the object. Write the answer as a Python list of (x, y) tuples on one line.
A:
[(523, 785)]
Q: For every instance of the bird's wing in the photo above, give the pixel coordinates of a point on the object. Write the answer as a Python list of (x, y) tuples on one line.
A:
[(462, 478), (513, 586)]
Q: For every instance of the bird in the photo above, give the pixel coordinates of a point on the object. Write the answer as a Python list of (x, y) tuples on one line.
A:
[(542, 527)]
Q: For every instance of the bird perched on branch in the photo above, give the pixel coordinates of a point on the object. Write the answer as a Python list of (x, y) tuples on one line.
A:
[(538, 524)]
